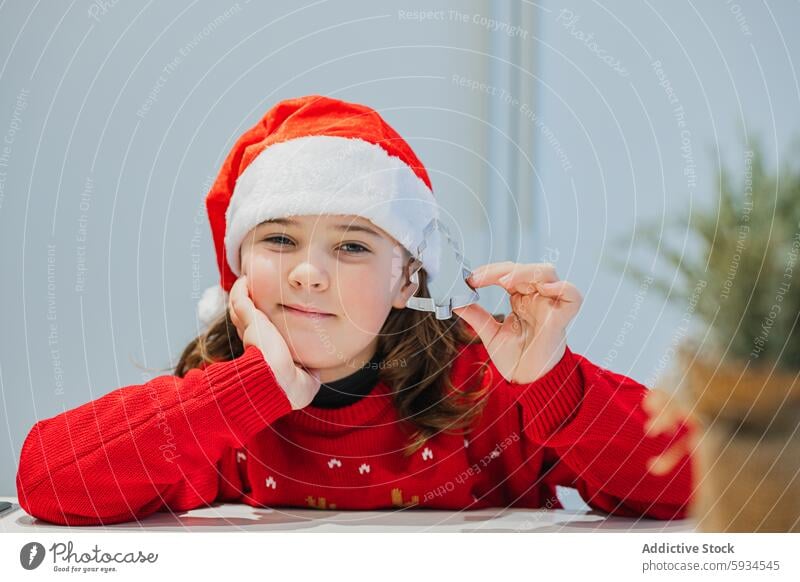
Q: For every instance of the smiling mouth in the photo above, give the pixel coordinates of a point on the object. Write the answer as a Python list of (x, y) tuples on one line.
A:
[(307, 314)]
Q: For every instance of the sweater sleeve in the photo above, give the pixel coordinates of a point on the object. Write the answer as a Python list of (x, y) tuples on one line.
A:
[(591, 424), (148, 447)]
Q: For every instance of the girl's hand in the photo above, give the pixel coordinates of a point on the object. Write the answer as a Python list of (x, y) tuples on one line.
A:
[(532, 339), (255, 329)]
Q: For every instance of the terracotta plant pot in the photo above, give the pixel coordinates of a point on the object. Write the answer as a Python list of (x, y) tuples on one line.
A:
[(732, 390), (748, 482), (749, 446)]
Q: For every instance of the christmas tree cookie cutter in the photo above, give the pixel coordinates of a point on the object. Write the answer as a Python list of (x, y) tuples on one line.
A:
[(443, 310)]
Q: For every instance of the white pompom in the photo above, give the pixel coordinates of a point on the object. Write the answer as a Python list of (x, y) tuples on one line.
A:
[(212, 304)]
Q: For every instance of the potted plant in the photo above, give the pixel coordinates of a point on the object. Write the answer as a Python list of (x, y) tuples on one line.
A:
[(740, 369)]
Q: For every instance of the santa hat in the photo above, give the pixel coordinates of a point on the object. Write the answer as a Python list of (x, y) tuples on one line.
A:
[(317, 155)]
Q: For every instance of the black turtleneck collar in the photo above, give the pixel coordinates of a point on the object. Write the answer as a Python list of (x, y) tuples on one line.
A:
[(349, 389)]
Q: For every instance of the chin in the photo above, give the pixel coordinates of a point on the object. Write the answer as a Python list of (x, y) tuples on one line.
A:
[(319, 355), (323, 361), (313, 354)]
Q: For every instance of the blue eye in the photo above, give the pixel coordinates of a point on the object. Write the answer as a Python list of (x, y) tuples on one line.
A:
[(276, 238), (362, 249)]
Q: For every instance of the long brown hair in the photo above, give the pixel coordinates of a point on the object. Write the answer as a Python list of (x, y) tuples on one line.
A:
[(418, 352)]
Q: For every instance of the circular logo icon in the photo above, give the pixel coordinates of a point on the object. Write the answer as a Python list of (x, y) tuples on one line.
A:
[(31, 555)]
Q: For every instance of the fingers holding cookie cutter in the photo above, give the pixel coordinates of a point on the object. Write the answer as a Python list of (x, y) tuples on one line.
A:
[(443, 309)]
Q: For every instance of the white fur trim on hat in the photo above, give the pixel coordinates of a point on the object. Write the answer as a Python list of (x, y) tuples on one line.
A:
[(332, 175), (212, 304)]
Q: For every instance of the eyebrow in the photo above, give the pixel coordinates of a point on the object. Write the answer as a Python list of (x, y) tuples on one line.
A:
[(340, 227)]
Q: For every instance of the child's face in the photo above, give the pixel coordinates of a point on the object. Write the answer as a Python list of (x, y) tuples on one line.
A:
[(326, 263)]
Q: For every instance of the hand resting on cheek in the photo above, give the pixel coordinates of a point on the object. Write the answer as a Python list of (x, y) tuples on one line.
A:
[(255, 329)]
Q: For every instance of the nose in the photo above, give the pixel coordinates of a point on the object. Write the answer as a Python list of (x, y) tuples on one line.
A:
[(308, 275)]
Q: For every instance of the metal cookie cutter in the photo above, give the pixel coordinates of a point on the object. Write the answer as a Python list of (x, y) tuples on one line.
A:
[(442, 310)]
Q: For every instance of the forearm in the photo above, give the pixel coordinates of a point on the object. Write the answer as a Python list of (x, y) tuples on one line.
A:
[(124, 455), (594, 421)]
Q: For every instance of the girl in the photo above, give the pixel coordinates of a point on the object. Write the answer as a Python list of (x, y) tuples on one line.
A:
[(314, 385)]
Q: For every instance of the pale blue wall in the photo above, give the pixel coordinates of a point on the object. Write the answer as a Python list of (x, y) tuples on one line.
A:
[(733, 69)]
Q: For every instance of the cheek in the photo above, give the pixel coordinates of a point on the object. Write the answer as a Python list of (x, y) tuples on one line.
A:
[(264, 277), (366, 300)]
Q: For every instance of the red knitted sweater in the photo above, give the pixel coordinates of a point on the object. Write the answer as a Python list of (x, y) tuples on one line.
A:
[(227, 433)]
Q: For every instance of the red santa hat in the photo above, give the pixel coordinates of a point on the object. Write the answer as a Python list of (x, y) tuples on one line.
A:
[(317, 155)]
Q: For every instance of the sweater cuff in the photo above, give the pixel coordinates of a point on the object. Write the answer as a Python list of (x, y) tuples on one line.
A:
[(551, 401), (247, 393)]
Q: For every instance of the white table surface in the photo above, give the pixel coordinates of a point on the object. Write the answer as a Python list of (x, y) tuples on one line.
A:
[(242, 517)]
